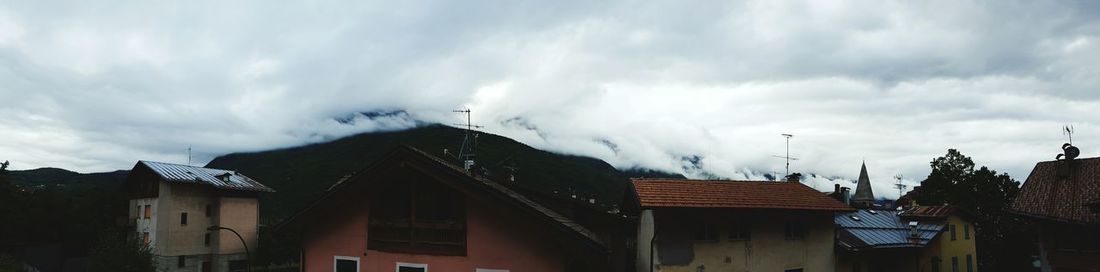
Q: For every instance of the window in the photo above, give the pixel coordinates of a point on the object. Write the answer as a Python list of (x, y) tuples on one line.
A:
[(739, 232), (966, 231), (936, 263), (207, 267), (969, 263), (345, 264), (952, 227), (793, 270), (411, 267), (206, 239), (417, 217), (208, 210), (183, 219), (181, 261), (148, 211), (705, 232), (145, 238), (238, 266), (954, 264), (794, 231)]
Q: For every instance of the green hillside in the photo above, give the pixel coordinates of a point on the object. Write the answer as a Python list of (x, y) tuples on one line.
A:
[(301, 174), (58, 176)]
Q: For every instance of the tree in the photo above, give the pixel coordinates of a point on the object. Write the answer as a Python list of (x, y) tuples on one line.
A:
[(121, 252), (1003, 241)]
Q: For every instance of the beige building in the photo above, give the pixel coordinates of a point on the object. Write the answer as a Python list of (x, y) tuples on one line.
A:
[(699, 225), (178, 210)]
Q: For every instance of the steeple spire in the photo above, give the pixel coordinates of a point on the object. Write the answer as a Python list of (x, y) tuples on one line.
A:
[(864, 197)]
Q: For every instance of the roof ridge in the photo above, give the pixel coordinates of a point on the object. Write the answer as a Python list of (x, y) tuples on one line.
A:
[(706, 180), (184, 165)]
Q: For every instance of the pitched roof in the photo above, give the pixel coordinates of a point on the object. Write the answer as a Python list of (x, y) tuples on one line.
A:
[(930, 212), (1061, 191), (218, 178), (863, 187), (682, 193), (882, 229), (478, 183)]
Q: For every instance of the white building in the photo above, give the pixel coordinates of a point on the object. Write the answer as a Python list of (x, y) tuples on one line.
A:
[(174, 206)]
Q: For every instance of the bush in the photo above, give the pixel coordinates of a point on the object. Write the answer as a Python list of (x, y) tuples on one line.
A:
[(120, 252)]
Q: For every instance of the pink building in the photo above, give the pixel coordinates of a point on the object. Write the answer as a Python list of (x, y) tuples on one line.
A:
[(412, 211)]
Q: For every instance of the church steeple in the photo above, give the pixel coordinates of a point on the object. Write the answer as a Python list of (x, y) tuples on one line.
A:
[(864, 197)]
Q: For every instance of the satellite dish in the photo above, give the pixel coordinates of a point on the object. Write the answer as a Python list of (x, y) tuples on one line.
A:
[(1072, 152), (1069, 152)]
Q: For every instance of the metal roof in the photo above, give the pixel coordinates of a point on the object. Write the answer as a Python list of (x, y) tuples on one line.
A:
[(221, 179), (883, 229)]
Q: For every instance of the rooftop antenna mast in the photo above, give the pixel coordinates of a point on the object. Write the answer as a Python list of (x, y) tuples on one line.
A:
[(1068, 131), (901, 186), (788, 156), (188, 155), (467, 152)]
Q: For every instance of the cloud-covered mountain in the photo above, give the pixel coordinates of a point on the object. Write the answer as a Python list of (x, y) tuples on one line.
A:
[(94, 86)]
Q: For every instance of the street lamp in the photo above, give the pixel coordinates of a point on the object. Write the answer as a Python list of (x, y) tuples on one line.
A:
[(246, 254)]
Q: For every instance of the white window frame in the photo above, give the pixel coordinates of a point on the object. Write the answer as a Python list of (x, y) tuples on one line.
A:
[(410, 265), (491, 270), (346, 258)]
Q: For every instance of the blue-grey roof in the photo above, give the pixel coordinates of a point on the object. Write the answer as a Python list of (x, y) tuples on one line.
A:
[(221, 179), (882, 229)]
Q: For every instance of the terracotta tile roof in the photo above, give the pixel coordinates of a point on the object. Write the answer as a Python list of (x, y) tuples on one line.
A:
[(682, 193), (1061, 191), (931, 212)]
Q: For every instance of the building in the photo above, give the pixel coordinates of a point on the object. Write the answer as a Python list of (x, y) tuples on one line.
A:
[(704, 225), (173, 206), (922, 238), (413, 212), (864, 196), (1062, 198)]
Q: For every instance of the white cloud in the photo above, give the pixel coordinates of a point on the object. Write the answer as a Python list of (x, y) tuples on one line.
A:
[(92, 87)]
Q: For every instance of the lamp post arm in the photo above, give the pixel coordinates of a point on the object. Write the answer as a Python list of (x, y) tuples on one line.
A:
[(247, 255)]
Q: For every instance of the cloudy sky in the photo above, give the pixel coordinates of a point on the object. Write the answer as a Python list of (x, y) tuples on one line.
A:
[(92, 86)]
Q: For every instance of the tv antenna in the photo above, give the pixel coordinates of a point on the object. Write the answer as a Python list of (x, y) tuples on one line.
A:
[(788, 156), (901, 186), (188, 155), (1068, 131), (467, 152)]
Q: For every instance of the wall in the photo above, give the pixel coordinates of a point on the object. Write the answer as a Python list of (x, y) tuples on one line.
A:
[(240, 214), (944, 248), (766, 250), (496, 239), (645, 241), (137, 215), (185, 239)]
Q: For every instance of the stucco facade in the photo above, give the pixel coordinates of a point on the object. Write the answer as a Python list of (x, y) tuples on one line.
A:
[(945, 249), (496, 239), (179, 215), (767, 247), (416, 210)]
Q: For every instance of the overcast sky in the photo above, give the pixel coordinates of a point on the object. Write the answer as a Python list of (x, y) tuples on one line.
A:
[(92, 86)]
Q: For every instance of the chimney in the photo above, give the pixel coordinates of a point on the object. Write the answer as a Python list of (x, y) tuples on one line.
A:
[(836, 188), (1069, 152), (796, 177), (914, 236), (847, 197)]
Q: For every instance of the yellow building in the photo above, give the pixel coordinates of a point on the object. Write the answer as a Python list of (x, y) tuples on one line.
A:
[(922, 238), (697, 225)]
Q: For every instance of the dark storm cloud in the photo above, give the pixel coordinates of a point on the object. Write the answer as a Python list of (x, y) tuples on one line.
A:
[(94, 86)]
